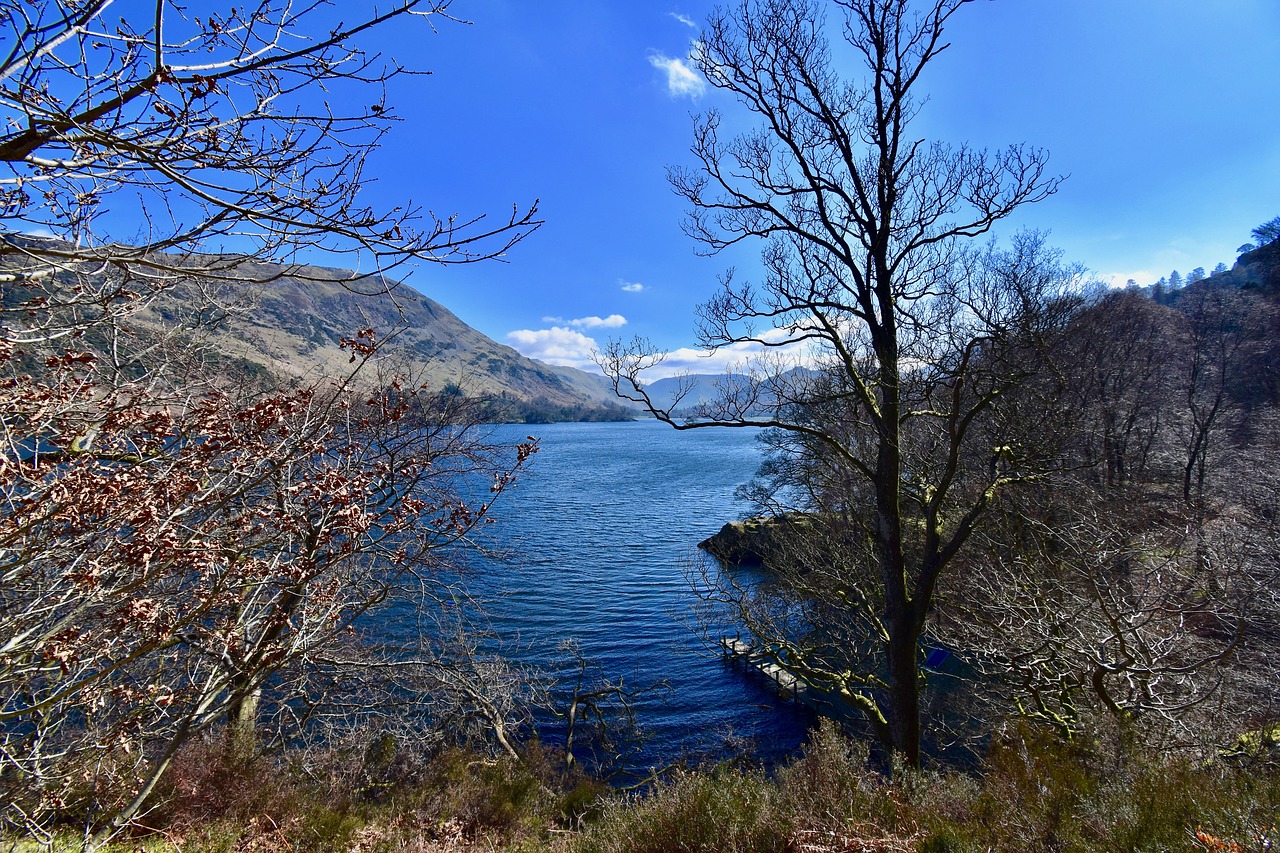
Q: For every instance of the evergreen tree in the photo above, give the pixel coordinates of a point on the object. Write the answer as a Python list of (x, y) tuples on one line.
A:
[(1267, 232)]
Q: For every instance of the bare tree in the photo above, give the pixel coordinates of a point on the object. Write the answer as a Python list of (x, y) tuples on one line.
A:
[(1122, 355), (160, 568), (173, 541), (1071, 605), (138, 139), (1221, 329), (868, 274), (598, 716)]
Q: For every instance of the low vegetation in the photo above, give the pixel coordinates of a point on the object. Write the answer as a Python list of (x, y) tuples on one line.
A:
[(1031, 791)]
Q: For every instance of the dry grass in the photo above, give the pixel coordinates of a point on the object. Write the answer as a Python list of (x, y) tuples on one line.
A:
[(1034, 792)]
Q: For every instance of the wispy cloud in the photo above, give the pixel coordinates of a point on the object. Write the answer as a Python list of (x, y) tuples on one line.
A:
[(684, 19), (612, 322), (631, 286), (556, 345), (682, 80)]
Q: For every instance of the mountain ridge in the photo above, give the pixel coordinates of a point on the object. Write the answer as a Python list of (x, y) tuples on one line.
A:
[(290, 322)]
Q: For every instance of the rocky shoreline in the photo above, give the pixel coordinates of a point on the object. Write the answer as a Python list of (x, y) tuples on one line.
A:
[(758, 541)]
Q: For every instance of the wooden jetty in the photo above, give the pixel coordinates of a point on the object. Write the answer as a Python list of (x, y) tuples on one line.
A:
[(786, 683)]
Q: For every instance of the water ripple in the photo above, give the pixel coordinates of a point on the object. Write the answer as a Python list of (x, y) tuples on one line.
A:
[(601, 529)]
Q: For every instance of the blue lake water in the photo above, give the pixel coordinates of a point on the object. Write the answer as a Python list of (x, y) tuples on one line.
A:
[(603, 526)]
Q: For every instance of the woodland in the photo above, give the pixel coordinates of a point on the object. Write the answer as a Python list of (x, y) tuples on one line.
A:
[(1071, 488)]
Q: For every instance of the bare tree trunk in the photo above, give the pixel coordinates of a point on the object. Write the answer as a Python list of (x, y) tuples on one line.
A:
[(904, 696), (242, 721)]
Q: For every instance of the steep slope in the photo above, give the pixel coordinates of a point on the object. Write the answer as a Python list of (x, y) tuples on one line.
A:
[(292, 325), (1259, 268)]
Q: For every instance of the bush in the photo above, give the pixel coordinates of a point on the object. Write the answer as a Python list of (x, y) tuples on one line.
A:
[(724, 810), (1034, 792), (368, 793)]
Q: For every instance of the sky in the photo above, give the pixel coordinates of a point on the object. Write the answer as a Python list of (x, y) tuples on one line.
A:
[(1163, 113)]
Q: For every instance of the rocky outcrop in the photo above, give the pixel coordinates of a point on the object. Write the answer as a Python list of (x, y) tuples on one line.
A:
[(761, 541), (1260, 268)]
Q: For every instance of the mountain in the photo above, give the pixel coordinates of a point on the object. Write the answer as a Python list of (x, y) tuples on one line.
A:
[(291, 325), (697, 388)]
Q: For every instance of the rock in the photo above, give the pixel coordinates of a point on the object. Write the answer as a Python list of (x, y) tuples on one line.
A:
[(756, 541)]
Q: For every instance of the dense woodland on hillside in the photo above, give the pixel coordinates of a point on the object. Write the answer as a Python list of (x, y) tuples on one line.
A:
[(1072, 489)]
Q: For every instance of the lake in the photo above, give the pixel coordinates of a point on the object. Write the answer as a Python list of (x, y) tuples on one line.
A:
[(603, 526)]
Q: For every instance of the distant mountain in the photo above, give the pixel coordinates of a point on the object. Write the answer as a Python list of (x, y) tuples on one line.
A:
[(698, 388), (695, 389), (291, 326)]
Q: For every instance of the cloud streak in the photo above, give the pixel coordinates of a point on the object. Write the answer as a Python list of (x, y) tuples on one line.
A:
[(631, 286), (684, 19), (613, 321), (682, 81)]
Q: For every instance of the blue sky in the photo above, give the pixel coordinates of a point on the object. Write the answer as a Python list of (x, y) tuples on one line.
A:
[(1163, 112)]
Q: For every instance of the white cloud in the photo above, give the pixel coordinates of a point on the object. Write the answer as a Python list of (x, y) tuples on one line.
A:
[(556, 345), (732, 357), (613, 321), (563, 343), (691, 360), (735, 357), (684, 19), (681, 79), (631, 286)]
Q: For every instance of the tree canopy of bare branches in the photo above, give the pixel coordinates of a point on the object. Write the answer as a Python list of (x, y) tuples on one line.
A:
[(138, 132), (174, 542), (159, 567), (904, 337)]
